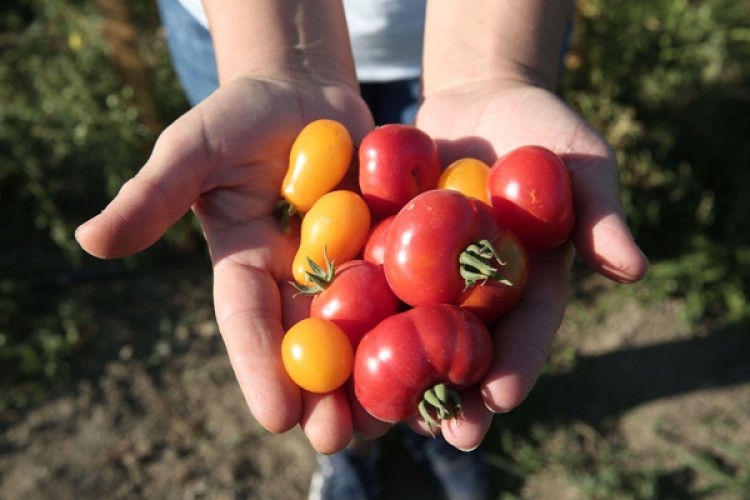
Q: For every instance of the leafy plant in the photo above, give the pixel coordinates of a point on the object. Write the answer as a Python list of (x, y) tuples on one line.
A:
[(673, 100), (72, 130)]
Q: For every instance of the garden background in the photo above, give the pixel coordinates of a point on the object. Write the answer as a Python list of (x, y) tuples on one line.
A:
[(114, 382)]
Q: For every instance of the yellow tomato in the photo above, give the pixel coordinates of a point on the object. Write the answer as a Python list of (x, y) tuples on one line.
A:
[(319, 159), (467, 176), (336, 225), (317, 355)]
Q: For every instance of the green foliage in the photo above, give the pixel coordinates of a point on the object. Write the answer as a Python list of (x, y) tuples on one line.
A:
[(69, 126), (71, 132), (666, 82), (37, 342)]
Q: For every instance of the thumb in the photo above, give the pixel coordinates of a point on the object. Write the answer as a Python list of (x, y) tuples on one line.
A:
[(157, 197)]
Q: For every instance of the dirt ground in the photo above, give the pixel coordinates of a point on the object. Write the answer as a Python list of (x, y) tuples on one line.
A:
[(153, 410)]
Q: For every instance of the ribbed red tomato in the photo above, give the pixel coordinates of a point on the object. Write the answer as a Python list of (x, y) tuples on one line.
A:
[(413, 363)]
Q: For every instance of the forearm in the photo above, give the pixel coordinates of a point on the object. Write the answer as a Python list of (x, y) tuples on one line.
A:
[(280, 37), (486, 40)]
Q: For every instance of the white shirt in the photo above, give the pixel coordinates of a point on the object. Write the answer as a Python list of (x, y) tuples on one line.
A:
[(386, 36)]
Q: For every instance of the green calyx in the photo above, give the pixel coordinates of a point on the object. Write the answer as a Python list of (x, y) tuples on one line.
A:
[(318, 278), (479, 263), (286, 213), (439, 402)]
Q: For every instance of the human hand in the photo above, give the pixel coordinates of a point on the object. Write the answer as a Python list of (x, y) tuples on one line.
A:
[(486, 120), (226, 159)]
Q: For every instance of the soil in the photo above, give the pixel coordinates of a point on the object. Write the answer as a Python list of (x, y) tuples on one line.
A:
[(151, 409)]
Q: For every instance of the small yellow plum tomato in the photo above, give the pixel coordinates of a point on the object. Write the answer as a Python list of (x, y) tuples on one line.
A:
[(317, 355), (319, 159), (337, 226)]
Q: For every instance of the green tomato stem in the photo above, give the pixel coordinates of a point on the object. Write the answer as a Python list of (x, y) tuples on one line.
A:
[(479, 263), (320, 277), (439, 402), (285, 212)]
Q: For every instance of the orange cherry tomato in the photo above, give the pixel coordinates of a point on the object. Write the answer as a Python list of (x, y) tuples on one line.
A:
[(337, 225), (319, 159), (468, 176), (317, 355)]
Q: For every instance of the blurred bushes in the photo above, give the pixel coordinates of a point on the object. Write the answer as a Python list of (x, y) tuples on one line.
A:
[(667, 84), (71, 132)]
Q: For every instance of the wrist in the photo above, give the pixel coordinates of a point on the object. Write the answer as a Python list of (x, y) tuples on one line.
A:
[(281, 39), (516, 41)]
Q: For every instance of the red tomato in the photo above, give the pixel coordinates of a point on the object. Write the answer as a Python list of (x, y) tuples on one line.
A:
[(441, 245), (396, 162), (420, 355), (423, 247), (531, 194), (491, 299), (374, 249), (356, 299)]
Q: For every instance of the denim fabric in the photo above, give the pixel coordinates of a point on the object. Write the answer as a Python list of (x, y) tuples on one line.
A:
[(459, 475), (191, 49), (392, 102), (192, 53)]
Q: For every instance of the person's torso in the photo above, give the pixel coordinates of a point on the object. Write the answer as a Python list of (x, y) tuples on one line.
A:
[(386, 36)]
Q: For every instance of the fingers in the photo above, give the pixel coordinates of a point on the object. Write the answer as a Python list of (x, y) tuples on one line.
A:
[(326, 421), (248, 312), (365, 425), (523, 337), (157, 197), (466, 432), (602, 236)]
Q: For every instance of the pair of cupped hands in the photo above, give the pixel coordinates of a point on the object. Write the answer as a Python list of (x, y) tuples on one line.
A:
[(225, 159)]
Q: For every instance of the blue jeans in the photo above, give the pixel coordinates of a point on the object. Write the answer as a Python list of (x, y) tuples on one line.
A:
[(192, 51)]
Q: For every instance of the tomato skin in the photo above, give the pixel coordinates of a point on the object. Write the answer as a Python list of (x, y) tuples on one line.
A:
[(374, 248), (317, 355), (318, 161), (531, 194), (407, 353), (468, 176), (337, 224), (423, 246), (396, 162), (357, 299), (489, 300)]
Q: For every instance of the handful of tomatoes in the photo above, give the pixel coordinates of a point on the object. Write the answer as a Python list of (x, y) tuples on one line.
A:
[(409, 268)]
